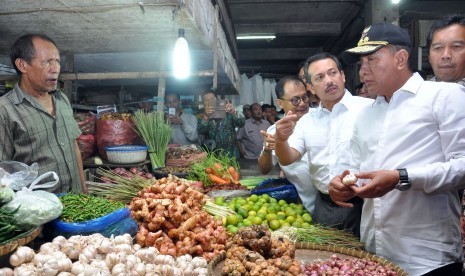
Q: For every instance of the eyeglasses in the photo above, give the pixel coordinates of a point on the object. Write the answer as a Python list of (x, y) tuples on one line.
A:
[(295, 101)]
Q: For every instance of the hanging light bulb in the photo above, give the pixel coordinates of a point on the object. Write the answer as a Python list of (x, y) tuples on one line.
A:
[(181, 60)]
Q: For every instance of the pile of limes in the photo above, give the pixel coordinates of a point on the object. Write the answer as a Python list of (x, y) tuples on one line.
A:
[(263, 209)]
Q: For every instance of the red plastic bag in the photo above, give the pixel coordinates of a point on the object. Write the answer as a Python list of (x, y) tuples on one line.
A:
[(87, 145), (86, 122), (115, 133)]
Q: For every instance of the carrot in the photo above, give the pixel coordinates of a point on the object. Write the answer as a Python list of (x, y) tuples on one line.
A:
[(234, 174), (217, 166), (209, 170), (217, 179)]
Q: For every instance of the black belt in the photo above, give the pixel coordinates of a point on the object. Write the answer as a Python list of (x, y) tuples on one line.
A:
[(327, 198)]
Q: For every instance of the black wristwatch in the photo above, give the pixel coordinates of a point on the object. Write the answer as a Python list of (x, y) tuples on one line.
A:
[(404, 184)]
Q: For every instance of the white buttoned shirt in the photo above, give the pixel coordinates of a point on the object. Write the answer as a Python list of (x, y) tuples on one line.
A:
[(325, 137), (421, 129)]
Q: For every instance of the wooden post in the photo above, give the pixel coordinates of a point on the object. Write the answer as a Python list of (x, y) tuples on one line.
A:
[(215, 48), (69, 68), (161, 94)]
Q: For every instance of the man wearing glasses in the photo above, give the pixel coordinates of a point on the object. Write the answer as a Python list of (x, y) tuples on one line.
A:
[(314, 100), (324, 135), (291, 96)]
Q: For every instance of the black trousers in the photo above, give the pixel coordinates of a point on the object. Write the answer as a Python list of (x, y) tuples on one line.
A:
[(330, 214), (454, 269)]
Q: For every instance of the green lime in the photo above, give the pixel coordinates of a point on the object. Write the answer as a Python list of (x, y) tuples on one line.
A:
[(307, 218), (263, 200), (232, 220), (220, 200), (253, 198), (284, 224), (262, 211), (266, 197), (256, 207), (299, 211), (271, 216), (296, 224), (274, 224), (290, 219), (257, 221), (291, 212), (306, 225), (240, 224), (273, 200), (246, 222), (252, 213), (231, 228), (243, 212), (282, 202), (239, 218), (262, 215)]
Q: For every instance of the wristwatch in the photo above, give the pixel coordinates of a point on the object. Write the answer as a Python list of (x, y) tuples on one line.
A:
[(404, 184)]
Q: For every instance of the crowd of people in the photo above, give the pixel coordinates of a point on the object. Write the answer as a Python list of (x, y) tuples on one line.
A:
[(400, 135)]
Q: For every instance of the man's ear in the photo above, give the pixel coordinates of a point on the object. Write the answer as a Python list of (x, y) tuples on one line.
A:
[(402, 59), (21, 64)]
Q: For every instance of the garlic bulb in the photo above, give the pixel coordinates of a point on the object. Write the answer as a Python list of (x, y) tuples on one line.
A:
[(147, 254), (64, 273), (184, 258), (59, 241), (88, 254), (349, 179), (50, 267), (201, 271), (49, 248), (104, 246), (26, 270), (136, 247), (120, 270), (6, 271), (164, 259), (138, 269), (169, 270), (71, 249), (199, 262), (77, 268), (132, 260), (22, 255), (124, 247)]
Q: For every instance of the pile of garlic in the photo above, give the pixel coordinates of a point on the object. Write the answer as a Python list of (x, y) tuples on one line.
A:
[(97, 255)]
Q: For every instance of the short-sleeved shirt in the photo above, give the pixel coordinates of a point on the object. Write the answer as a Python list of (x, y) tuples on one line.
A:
[(28, 134), (185, 134), (251, 138)]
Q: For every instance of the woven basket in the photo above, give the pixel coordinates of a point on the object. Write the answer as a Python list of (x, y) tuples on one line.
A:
[(19, 240), (217, 262)]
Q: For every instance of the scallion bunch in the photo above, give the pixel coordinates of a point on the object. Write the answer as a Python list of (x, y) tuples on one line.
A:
[(156, 133)]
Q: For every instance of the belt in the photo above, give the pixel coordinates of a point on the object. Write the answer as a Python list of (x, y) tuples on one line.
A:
[(327, 198)]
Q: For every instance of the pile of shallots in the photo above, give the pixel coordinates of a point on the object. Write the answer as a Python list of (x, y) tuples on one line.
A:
[(97, 255)]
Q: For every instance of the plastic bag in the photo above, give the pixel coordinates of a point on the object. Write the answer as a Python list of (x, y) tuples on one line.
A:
[(278, 188), (115, 133), (86, 122), (35, 208), (87, 145), (17, 175), (117, 223)]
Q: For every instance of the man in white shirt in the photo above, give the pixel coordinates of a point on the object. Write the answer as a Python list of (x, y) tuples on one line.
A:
[(324, 135), (184, 125), (410, 150), (291, 96)]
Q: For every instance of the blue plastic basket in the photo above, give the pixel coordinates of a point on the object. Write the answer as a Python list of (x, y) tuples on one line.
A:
[(279, 188)]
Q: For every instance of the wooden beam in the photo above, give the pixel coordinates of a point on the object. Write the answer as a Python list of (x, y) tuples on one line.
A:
[(244, 2), (115, 75), (289, 28), (277, 54), (228, 27)]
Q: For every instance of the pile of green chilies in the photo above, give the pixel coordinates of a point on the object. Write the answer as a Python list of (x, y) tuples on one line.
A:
[(82, 207)]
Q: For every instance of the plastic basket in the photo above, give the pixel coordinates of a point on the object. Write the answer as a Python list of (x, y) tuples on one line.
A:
[(116, 223), (127, 154), (278, 188)]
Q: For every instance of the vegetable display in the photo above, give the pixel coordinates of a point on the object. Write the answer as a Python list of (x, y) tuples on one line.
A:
[(97, 255), (156, 133), (216, 168), (82, 207), (170, 218)]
